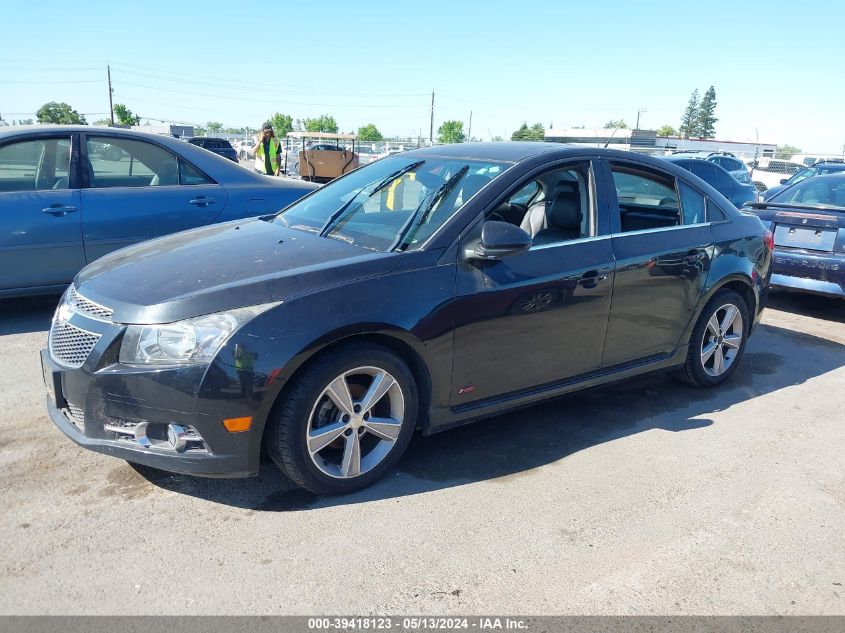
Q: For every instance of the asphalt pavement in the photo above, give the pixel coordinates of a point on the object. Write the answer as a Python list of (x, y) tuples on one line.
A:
[(648, 497)]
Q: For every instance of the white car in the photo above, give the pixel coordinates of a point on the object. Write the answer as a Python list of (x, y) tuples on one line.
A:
[(245, 149), (768, 172)]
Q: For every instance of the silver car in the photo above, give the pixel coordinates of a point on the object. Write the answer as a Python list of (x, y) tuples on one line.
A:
[(71, 194)]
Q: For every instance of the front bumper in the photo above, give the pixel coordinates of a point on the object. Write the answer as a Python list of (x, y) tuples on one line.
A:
[(126, 411), (803, 271)]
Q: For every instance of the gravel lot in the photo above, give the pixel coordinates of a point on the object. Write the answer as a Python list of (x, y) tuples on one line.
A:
[(649, 497)]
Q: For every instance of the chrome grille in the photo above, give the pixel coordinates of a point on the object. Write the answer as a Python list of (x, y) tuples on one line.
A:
[(75, 415), (69, 344), (87, 307)]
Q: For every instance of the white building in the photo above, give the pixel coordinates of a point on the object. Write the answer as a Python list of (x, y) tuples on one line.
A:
[(648, 141)]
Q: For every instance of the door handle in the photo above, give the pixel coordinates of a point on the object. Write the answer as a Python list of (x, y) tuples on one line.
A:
[(201, 200), (591, 278), (59, 209)]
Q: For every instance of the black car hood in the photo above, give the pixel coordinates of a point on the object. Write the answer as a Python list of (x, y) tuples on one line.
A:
[(221, 267)]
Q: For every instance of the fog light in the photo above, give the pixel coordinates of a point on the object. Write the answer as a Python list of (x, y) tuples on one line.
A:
[(177, 437)]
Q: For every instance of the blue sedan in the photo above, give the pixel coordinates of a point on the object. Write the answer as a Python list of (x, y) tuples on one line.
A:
[(723, 181), (71, 194)]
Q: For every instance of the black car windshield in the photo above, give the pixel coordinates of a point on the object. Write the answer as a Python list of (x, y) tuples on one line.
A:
[(818, 191), (397, 202)]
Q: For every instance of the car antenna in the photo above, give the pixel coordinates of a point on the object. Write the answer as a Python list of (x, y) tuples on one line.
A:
[(615, 130)]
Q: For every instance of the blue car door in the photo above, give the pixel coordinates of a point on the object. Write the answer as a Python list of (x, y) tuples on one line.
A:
[(40, 234), (135, 189)]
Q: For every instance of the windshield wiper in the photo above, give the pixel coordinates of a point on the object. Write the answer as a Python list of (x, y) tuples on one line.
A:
[(414, 221), (334, 217)]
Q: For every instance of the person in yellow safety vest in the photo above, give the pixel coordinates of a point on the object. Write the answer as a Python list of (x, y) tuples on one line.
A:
[(267, 152)]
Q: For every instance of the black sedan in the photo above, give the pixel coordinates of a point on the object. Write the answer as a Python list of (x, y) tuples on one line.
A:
[(808, 222), (219, 146), (426, 290)]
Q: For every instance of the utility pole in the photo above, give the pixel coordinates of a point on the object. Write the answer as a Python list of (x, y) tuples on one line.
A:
[(111, 106), (469, 127), (641, 110), (431, 125)]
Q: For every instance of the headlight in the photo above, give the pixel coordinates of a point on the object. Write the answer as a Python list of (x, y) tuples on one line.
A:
[(191, 341)]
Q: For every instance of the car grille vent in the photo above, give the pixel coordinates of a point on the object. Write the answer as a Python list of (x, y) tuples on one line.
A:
[(71, 345), (76, 415), (87, 307)]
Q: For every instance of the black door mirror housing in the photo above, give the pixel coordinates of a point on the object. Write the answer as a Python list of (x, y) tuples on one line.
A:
[(499, 239)]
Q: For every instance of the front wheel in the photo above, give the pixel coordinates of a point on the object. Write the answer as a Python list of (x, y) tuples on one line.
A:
[(345, 420), (717, 342)]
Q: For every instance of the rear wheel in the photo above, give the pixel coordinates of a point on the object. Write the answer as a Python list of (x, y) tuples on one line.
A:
[(717, 342), (346, 419)]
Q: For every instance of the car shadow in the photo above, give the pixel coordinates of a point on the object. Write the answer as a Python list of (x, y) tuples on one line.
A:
[(27, 314), (816, 306), (514, 444)]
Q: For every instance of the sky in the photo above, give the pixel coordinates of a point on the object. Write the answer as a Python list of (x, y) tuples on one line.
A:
[(775, 65)]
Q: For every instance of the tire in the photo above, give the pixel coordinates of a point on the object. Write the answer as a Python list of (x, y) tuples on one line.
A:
[(114, 153), (314, 406), (701, 369)]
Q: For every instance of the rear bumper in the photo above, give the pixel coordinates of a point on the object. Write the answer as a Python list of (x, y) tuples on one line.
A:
[(802, 271)]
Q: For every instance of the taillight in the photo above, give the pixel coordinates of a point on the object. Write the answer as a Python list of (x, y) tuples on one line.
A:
[(769, 240)]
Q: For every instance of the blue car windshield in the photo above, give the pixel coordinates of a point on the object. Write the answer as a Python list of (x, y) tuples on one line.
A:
[(819, 191), (395, 203)]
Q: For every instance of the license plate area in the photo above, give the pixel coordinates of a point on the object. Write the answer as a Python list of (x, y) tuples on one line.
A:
[(810, 238)]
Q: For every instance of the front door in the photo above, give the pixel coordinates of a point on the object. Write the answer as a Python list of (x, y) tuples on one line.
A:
[(538, 317), (138, 190), (40, 234), (663, 247)]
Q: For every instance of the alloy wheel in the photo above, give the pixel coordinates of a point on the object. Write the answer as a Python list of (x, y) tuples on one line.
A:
[(355, 422), (722, 340)]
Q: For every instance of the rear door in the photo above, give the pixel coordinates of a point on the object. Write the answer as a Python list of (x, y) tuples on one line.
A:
[(147, 192), (40, 235), (663, 248)]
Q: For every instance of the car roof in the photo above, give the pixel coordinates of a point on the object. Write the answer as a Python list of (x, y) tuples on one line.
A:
[(830, 165), (508, 151)]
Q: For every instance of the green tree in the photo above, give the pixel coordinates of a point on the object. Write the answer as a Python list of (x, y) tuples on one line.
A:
[(614, 125), (53, 112), (707, 114), (282, 124), (322, 123), (534, 133), (689, 121), (214, 127), (497, 139), (199, 130), (369, 132), (125, 116), (786, 152), (451, 132), (667, 130)]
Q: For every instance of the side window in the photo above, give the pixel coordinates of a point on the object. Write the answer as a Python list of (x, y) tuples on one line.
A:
[(693, 204), (706, 171), (526, 195), (190, 175), (647, 199), (35, 165), (123, 162), (714, 213), (724, 180), (561, 206)]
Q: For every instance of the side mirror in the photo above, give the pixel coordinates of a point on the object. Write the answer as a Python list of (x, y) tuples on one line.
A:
[(783, 181), (499, 239)]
